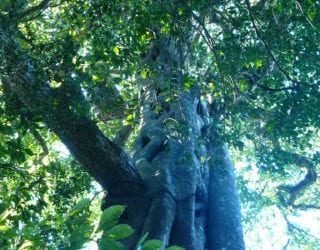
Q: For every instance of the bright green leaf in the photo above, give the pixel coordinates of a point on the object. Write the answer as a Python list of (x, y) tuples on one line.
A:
[(129, 119), (144, 73), (95, 78), (4, 228), (175, 248), (26, 245), (258, 64), (109, 244), (152, 245), (79, 207), (120, 232), (5, 214), (116, 50), (110, 217), (242, 85), (211, 85)]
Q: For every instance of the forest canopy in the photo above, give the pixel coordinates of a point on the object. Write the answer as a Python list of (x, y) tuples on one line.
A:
[(255, 65)]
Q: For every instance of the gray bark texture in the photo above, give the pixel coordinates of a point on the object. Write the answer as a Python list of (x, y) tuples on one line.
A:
[(179, 184)]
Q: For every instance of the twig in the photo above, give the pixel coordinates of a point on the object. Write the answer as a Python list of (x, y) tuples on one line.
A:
[(291, 226), (41, 141), (277, 89), (207, 38), (287, 244), (306, 206), (306, 17), (266, 45)]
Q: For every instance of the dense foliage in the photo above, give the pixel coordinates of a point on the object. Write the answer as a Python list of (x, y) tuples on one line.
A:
[(257, 62)]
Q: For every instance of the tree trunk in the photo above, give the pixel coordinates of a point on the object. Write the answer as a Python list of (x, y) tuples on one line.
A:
[(191, 199), (179, 185), (224, 218)]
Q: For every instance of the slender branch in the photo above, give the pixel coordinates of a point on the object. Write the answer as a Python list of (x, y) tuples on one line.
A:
[(122, 135), (292, 227), (39, 138), (306, 17), (268, 48), (245, 96), (41, 6), (287, 244), (302, 206), (207, 38), (206, 35), (101, 158), (254, 78), (276, 89), (209, 41)]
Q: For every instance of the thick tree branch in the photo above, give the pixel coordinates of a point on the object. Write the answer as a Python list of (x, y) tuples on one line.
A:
[(104, 160), (123, 135), (294, 190)]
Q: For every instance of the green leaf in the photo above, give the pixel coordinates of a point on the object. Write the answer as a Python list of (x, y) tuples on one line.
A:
[(186, 85), (79, 207), (144, 73), (109, 244), (243, 85), (258, 64), (211, 85), (26, 245), (116, 50), (157, 108), (152, 245), (95, 78), (120, 232), (28, 151), (77, 238), (110, 217), (5, 214), (129, 119), (4, 228), (188, 82), (175, 248)]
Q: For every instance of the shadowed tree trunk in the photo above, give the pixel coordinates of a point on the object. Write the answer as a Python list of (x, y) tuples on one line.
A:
[(179, 184)]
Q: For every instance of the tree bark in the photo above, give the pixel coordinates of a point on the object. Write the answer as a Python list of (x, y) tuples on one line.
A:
[(181, 158), (166, 185), (225, 231)]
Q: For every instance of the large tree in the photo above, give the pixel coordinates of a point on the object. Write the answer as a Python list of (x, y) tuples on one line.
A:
[(148, 95)]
